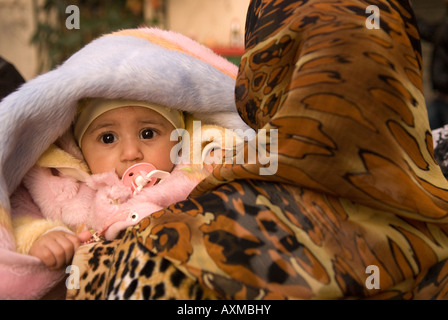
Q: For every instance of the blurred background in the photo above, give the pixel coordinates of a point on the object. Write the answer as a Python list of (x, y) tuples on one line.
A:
[(432, 12), (35, 38)]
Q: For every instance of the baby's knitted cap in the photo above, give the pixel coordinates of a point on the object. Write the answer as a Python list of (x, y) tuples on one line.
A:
[(90, 109)]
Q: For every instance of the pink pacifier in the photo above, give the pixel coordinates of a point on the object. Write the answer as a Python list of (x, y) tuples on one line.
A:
[(142, 175)]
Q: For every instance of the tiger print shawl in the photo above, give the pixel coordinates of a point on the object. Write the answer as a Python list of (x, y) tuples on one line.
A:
[(356, 205)]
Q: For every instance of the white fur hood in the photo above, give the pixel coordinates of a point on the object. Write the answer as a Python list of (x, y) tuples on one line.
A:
[(141, 64)]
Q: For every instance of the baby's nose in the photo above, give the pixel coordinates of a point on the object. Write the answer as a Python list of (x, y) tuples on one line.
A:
[(131, 151)]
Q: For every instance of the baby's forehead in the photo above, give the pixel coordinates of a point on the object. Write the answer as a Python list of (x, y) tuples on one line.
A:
[(130, 112), (129, 118)]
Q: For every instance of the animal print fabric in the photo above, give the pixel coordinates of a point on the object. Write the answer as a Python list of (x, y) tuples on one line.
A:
[(357, 206)]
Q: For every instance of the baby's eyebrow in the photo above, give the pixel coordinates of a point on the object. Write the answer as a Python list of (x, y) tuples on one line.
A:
[(101, 125), (151, 122)]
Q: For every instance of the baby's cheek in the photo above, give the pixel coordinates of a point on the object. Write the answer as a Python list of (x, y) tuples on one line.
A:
[(102, 166), (166, 161), (166, 165)]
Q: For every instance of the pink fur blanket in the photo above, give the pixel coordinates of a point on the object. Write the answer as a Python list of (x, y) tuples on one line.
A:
[(103, 203), (140, 64)]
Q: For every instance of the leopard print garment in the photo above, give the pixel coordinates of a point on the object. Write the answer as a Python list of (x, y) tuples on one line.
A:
[(103, 277), (356, 187)]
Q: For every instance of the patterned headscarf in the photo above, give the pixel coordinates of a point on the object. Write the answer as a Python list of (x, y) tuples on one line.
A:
[(355, 188)]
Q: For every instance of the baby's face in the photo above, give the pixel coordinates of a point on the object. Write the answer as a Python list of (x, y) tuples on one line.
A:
[(122, 137)]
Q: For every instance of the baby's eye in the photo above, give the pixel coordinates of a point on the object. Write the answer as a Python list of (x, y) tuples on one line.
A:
[(147, 134), (108, 138)]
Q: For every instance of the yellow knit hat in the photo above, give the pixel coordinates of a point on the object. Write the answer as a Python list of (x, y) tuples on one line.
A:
[(90, 109)]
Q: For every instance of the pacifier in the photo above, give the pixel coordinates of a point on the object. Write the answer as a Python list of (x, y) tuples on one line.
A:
[(142, 175)]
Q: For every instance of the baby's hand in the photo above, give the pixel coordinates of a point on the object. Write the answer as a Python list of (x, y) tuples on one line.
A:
[(56, 248)]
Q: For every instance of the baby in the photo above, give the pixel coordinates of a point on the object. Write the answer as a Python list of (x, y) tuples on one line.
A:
[(113, 136)]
